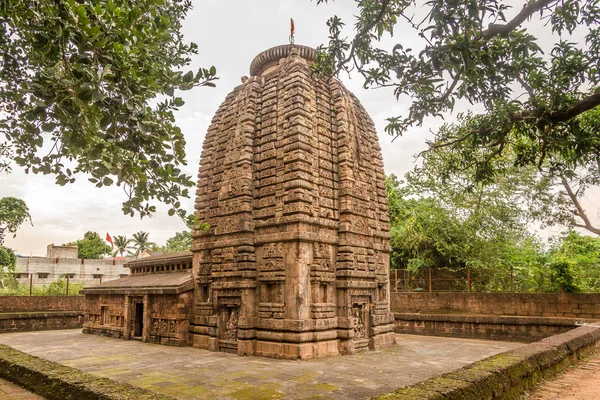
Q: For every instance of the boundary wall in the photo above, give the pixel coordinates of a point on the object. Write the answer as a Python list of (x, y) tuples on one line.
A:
[(497, 316), (37, 313)]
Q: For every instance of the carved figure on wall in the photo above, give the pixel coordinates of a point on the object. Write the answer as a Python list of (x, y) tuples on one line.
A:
[(359, 326), (230, 331)]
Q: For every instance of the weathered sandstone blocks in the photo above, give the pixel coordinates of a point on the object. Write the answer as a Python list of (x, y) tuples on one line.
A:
[(296, 261)]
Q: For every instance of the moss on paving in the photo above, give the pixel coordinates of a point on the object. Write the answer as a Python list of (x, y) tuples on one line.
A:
[(326, 387), (306, 378), (261, 391), (55, 381)]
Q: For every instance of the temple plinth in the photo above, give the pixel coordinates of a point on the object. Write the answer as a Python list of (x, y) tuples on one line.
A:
[(296, 261)]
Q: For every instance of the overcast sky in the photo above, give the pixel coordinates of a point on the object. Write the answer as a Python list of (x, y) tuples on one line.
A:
[(229, 35)]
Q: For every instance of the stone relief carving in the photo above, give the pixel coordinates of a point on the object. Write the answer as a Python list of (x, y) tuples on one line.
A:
[(292, 162)]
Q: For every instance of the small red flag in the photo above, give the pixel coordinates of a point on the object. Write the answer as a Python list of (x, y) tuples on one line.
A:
[(109, 240), (292, 27)]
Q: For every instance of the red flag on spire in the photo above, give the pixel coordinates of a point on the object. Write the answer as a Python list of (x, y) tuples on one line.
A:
[(292, 27), (109, 240)]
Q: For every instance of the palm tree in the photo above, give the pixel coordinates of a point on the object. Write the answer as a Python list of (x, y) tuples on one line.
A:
[(141, 242), (121, 245)]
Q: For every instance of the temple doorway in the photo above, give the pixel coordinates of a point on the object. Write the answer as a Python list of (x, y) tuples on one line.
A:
[(138, 324)]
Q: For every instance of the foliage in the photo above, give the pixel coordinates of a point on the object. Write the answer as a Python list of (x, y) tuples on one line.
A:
[(91, 246), (451, 229), (93, 84), (56, 288), (551, 191), (182, 241), (59, 287), (526, 261), (8, 259), (561, 276), (582, 256), (13, 213), (141, 242), (484, 53), (8, 267), (428, 237), (121, 245)]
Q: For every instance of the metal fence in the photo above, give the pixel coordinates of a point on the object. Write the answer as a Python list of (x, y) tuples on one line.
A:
[(432, 280)]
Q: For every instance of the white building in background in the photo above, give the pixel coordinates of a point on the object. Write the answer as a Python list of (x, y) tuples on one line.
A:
[(61, 261)]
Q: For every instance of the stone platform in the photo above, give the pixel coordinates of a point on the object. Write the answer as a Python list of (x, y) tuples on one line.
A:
[(189, 373)]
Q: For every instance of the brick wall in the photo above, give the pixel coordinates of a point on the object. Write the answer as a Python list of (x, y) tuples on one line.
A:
[(585, 306), (513, 329), (11, 304), (40, 321)]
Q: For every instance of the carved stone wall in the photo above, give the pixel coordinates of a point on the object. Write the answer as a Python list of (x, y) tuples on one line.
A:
[(165, 316), (105, 315), (291, 182)]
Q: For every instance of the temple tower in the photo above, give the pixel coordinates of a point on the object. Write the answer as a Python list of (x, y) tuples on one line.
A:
[(296, 261)]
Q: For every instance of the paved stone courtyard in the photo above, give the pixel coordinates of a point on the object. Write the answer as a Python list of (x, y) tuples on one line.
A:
[(189, 373)]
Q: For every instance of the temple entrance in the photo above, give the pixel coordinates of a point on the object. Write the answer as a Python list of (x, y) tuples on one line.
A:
[(138, 325), (228, 328)]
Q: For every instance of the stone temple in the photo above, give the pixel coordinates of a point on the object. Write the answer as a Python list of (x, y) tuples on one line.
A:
[(296, 261)]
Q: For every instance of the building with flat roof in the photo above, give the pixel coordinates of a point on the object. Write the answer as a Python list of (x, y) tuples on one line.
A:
[(61, 261)]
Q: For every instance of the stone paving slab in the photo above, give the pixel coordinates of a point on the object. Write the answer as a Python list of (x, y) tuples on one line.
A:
[(189, 373), (10, 391)]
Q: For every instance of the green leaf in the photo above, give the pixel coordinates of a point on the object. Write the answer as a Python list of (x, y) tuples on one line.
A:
[(188, 77), (48, 127)]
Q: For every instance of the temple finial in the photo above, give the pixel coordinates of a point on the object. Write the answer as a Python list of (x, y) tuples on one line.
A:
[(292, 30)]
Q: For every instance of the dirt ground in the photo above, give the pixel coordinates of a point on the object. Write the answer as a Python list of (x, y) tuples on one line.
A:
[(10, 391), (581, 382)]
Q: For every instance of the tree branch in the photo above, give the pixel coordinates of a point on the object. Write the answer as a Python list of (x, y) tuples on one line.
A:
[(434, 145), (526, 12), (365, 30), (449, 91), (579, 108), (580, 212)]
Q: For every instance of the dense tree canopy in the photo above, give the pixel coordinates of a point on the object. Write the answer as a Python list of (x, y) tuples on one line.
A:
[(90, 87), (8, 267), (530, 65), (441, 226), (13, 213), (436, 226), (91, 246), (182, 241), (576, 263), (8, 259)]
